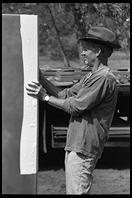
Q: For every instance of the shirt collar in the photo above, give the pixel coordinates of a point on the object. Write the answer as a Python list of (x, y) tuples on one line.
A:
[(101, 68)]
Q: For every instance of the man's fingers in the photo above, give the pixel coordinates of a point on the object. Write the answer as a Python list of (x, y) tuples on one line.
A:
[(36, 83), (33, 89), (30, 89), (32, 92), (33, 85), (33, 95)]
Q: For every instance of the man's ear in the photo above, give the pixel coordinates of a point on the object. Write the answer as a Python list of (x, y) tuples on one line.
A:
[(98, 53)]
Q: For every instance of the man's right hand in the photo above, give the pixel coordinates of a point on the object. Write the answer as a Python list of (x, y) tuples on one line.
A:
[(36, 90)]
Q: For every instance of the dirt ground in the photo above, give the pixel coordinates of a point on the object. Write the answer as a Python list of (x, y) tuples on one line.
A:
[(105, 182), (111, 176)]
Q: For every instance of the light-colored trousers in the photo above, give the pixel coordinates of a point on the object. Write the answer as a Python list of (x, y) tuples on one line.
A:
[(78, 171)]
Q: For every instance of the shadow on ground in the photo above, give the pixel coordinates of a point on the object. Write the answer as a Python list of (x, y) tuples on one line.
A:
[(114, 158)]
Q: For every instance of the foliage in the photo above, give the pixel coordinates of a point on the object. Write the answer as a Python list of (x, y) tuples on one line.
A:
[(73, 20)]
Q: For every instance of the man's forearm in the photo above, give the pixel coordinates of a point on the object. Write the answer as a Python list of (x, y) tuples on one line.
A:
[(56, 102), (51, 89)]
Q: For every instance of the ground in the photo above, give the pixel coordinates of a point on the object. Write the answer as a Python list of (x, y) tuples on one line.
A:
[(105, 182), (111, 176)]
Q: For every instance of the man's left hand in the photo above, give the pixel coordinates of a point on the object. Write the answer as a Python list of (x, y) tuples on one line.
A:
[(36, 90)]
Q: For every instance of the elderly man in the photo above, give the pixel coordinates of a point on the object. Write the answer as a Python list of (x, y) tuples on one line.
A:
[(91, 103)]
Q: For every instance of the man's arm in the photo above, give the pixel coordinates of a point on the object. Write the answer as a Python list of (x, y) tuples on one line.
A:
[(87, 98), (50, 88), (57, 92), (56, 102), (72, 91)]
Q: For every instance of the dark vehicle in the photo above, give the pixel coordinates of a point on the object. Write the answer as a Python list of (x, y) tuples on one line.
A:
[(54, 122)]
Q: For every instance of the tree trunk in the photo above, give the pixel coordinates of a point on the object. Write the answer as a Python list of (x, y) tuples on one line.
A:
[(66, 62), (76, 9)]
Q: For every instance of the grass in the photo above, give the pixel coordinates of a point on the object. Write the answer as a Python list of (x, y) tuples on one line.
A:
[(117, 60)]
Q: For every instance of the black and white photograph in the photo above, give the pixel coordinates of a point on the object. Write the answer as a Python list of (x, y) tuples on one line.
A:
[(66, 98)]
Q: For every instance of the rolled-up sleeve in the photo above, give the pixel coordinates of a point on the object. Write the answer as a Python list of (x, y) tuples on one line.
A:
[(87, 97)]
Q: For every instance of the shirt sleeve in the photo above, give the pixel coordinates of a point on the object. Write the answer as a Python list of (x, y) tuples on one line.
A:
[(69, 92), (87, 97)]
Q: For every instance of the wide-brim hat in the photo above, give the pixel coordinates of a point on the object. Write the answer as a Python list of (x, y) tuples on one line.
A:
[(103, 36)]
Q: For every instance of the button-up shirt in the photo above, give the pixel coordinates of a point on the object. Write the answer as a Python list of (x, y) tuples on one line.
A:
[(91, 103)]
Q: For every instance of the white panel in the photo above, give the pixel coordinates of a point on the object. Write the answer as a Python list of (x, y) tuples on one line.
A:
[(28, 144)]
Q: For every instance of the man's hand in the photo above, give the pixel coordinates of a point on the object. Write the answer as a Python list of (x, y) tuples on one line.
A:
[(36, 90)]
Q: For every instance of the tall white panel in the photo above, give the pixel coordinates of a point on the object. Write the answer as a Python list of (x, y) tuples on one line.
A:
[(28, 142)]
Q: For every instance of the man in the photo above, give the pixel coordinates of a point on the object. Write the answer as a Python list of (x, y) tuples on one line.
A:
[(91, 103)]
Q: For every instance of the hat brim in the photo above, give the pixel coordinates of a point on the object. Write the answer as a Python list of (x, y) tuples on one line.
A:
[(100, 41)]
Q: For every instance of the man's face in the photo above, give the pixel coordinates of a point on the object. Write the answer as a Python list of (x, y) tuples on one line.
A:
[(88, 53)]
